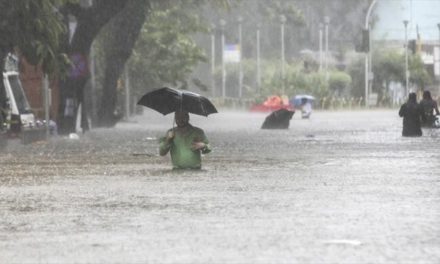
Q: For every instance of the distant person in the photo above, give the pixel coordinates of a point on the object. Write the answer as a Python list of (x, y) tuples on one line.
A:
[(53, 128), (279, 119), (412, 114), (430, 109), (185, 143), (52, 125), (306, 108)]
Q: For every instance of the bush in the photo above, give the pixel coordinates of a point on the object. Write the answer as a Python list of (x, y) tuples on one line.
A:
[(298, 80), (339, 82)]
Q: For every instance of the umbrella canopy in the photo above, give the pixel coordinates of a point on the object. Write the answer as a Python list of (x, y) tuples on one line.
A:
[(296, 100), (167, 100)]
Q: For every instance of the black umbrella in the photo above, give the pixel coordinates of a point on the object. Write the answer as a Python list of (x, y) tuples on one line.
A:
[(167, 100)]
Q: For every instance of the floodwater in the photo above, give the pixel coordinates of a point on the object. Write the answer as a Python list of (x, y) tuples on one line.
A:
[(342, 187)]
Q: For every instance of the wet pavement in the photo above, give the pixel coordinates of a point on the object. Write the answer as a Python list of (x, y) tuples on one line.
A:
[(342, 187)]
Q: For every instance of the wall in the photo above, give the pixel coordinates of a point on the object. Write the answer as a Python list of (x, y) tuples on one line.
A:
[(31, 78)]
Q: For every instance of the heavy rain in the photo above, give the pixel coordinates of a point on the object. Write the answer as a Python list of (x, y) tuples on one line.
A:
[(339, 181)]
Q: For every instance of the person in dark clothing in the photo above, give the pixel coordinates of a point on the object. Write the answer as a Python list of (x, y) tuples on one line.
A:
[(412, 114), (279, 119), (430, 109)]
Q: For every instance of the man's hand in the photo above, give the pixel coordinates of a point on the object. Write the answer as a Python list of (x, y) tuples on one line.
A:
[(170, 136), (198, 145)]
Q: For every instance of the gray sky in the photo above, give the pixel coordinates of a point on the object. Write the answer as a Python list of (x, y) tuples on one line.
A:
[(391, 13)]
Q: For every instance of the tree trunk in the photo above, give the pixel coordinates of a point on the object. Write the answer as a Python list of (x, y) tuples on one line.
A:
[(125, 30), (89, 22)]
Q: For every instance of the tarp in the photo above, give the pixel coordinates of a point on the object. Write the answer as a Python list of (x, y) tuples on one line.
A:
[(273, 103)]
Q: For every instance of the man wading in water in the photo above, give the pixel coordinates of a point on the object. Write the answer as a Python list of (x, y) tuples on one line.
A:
[(412, 114), (185, 143)]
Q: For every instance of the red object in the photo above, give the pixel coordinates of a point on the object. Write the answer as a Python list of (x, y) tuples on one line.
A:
[(272, 103)]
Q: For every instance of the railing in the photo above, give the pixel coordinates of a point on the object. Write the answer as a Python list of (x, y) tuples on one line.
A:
[(325, 103)]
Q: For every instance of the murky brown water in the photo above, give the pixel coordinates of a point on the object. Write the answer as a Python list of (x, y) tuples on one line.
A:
[(343, 187)]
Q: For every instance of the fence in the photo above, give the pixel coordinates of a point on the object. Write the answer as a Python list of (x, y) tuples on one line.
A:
[(325, 103), (331, 103)]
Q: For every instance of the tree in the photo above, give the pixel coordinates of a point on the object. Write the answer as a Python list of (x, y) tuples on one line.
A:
[(165, 51), (89, 21), (388, 67), (34, 29), (117, 42), (356, 69), (339, 82), (303, 18), (419, 75)]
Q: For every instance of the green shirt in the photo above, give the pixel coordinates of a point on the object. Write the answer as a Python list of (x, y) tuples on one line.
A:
[(182, 156)]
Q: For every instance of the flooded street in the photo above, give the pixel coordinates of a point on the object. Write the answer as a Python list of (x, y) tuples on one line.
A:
[(342, 187)]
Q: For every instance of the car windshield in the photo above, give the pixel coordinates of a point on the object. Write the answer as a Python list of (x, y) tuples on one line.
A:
[(20, 97)]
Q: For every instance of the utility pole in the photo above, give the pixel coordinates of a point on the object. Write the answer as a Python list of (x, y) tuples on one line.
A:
[(405, 23), (283, 59), (326, 21), (321, 26), (127, 92), (367, 54), (438, 25), (258, 60), (213, 60), (240, 65), (438, 62), (222, 25), (46, 101)]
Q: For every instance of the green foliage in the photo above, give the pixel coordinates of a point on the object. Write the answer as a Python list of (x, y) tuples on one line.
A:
[(419, 75), (388, 66), (272, 10), (35, 28), (339, 82), (297, 80), (165, 53), (356, 70)]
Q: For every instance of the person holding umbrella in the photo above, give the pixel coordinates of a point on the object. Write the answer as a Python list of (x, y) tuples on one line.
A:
[(185, 143), (306, 108)]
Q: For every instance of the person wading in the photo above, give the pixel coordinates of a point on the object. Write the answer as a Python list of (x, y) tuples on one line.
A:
[(412, 114), (430, 109), (185, 143)]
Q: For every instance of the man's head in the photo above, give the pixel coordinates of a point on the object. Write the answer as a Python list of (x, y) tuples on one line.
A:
[(182, 118), (303, 100), (427, 95)]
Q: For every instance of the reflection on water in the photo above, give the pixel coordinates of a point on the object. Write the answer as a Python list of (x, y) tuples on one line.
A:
[(262, 195)]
